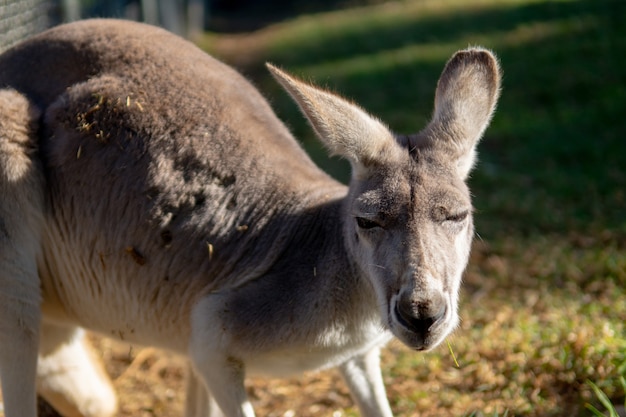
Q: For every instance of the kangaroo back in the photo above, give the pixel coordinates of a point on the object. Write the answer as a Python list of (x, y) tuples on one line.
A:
[(165, 131)]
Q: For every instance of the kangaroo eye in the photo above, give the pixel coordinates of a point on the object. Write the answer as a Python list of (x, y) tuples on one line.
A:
[(364, 223), (441, 214), (457, 217)]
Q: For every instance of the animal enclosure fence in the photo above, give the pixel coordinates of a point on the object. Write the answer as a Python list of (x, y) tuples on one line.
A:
[(20, 19)]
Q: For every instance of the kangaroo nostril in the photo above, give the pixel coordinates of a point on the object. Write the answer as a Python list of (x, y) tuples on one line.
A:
[(418, 321)]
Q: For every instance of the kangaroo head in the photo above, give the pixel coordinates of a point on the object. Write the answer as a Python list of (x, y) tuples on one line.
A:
[(408, 222)]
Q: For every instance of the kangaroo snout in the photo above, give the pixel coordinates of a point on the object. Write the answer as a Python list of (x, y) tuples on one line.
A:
[(421, 317)]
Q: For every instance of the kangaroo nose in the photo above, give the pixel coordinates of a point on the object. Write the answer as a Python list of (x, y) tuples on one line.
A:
[(419, 316)]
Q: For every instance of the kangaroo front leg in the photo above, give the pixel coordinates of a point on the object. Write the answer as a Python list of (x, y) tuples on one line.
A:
[(224, 379), (364, 378), (213, 361), (69, 377), (198, 402)]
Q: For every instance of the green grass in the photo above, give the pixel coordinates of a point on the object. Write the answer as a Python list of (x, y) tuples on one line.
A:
[(544, 302), (606, 402), (558, 134)]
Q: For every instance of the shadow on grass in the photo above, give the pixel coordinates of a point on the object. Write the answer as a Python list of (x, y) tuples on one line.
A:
[(375, 32), (554, 159), (231, 16)]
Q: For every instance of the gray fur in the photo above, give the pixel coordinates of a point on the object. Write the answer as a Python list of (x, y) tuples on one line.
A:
[(148, 192)]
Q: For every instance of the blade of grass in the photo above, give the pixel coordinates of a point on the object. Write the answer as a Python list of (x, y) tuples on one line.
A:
[(603, 399), (453, 355)]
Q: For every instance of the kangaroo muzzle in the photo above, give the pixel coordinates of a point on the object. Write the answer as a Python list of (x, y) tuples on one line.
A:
[(420, 319)]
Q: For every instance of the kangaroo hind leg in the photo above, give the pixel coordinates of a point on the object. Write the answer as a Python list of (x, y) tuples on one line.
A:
[(69, 377)]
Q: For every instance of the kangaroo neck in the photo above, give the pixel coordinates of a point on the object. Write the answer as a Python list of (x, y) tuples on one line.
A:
[(319, 254)]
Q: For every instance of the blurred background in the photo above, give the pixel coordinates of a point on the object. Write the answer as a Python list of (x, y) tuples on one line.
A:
[(544, 300)]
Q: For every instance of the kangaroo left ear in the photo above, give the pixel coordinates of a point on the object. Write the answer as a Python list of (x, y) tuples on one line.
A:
[(345, 128), (466, 97)]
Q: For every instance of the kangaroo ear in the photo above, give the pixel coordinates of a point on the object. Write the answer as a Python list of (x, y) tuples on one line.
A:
[(346, 129), (466, 97)]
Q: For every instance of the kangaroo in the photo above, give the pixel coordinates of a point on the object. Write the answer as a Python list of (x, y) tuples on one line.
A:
[(148, 192)]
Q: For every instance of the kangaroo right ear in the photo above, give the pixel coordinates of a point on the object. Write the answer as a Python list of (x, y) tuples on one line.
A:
[(466, 97), (344, 127)]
